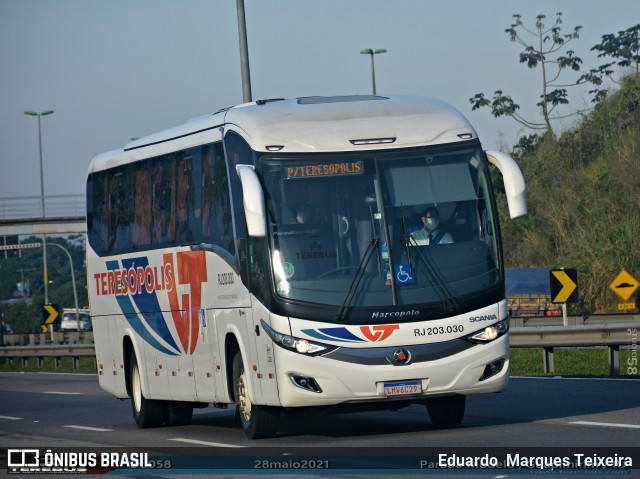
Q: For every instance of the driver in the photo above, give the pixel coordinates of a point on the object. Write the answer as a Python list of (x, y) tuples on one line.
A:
[(431, 234)]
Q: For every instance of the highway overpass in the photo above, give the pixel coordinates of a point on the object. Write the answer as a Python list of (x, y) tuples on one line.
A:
[(24, 216)]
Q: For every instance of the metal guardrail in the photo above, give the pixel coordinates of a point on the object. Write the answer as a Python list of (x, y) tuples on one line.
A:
[(59, 337), (612, 335), (29, 207), (57, 351), (606, 318), (58, 345)]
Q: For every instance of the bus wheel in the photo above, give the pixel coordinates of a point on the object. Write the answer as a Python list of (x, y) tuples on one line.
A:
[(179, 415), (147, 413), (257, 421), (446, 410)]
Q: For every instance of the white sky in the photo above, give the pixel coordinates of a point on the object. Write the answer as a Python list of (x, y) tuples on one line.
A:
[(120, 68)]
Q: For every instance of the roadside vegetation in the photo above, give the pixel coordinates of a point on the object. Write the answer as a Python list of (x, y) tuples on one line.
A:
[(583, 184), (583, 198), (22, 282)]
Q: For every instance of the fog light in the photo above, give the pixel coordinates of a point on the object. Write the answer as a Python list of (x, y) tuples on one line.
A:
[(304, 382), (492, 369)]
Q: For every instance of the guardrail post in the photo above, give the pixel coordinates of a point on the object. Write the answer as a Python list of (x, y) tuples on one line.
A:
[(549, 366), (614, 360)]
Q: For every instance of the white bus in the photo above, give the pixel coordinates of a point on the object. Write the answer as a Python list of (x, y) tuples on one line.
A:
[(266, 255)]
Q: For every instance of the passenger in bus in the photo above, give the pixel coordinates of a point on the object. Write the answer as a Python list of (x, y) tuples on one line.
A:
[(431, 234)]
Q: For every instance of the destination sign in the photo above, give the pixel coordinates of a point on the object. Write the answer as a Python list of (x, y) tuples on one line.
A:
[(325, 169)]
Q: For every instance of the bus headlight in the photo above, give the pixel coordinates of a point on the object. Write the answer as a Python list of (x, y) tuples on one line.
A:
[(299, 345), (490, 333)]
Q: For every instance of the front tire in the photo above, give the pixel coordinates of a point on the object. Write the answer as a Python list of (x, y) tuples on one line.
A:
[(146, 412), (257, 421), (446, 410)]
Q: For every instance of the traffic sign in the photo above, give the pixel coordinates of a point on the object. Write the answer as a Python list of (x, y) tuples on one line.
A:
[(626, 306), (564, 285), (50, 312), (624, 285)]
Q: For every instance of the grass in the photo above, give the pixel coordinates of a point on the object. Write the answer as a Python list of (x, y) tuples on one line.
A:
[(65, 365), (572, 362), (524, 362)]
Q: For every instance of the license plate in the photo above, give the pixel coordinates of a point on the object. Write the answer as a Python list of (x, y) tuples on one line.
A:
[(402, 388)]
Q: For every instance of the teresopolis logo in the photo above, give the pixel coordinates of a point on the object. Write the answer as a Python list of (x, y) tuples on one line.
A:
[(378, 333), (136, 286)]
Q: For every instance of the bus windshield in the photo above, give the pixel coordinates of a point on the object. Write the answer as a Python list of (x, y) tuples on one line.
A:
[(396, 229)]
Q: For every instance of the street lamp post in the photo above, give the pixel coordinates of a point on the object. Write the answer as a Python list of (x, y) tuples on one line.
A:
[(244, 52), (371, 52), (44, 237)]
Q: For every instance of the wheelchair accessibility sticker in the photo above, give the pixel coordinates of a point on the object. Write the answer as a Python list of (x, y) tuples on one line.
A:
[(403, 274)]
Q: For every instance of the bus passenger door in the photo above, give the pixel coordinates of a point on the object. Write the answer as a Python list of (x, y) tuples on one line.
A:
[(264, 356), (237, 321), (107, 353)]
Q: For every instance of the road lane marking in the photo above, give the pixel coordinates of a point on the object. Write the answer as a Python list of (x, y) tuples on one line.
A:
[(67, 393), (87, 428), (555, 378), (203, 443), (11, 418), (605, 424)]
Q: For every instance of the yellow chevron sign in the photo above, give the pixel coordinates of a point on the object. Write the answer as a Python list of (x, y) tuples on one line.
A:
[(564, 285), (50, 313)]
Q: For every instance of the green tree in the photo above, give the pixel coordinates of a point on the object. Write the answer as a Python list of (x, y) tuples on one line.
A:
[(548, 52), (624, 51), (25, 315)]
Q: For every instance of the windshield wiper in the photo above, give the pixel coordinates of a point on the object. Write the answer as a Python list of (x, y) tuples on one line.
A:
[(353, 287)]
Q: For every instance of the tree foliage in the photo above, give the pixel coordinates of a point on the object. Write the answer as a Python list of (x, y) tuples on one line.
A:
[(624, 51), (24, 314), (548, 51), (584, 206)]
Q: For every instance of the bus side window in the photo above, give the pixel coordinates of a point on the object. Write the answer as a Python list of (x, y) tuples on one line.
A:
[(216, 203), (185, 198), (97, 212), (141, 237), (112, 214), (207, 194), (156, 201), (168, 202)]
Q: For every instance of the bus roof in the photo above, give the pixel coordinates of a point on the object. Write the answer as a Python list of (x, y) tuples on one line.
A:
[(312, 124)]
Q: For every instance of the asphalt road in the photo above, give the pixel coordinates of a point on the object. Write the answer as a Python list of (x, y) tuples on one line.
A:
[(70, 410)]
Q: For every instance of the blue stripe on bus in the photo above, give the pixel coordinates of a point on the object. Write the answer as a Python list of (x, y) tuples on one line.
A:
[(148, 304), (333, 334), (134, 320)]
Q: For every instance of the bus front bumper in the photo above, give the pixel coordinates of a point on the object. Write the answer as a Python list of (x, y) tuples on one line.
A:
[(321, 381)]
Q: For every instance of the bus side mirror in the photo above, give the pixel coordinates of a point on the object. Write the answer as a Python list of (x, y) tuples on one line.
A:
[(253, 201), (513, 182)]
